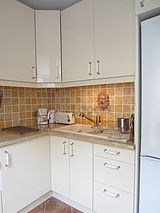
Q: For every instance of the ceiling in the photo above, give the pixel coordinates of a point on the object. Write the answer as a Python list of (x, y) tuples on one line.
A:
[(49, 4)]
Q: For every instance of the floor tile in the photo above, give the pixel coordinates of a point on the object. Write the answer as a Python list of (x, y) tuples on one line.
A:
[(53, 205)]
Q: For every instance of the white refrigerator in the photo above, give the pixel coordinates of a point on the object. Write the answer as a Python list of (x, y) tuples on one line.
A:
[(150, 117)]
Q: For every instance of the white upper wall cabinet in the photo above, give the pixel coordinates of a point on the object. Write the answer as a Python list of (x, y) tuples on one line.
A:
[(17, 42), (114, 38), (78, 42), (146, 5), (48, 46)]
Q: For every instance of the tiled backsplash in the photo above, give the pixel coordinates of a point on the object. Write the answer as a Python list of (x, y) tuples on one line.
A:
[(19, 105)]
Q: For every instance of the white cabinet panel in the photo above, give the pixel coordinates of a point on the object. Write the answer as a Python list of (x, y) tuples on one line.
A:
[(112, 200), (27, 176), (114, 153), (17, 42), (48, 46), (78, 42), (146, 5), (114, 173), (81, 172), (59, 149), (114, 38)]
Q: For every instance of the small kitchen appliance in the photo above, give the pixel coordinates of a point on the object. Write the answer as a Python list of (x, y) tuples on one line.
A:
[(51, 116), (42, 116), (65, 118), (123, 124)]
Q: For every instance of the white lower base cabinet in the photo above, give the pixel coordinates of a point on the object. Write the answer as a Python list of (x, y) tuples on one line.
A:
[(111, 200), (25, 173), (81, 173), (71, 169)]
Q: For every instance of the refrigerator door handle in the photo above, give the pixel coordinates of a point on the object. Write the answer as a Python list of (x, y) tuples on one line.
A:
[(150, 157)]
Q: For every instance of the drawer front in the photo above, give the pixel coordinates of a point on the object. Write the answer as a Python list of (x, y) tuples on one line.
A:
[(114, 153), (114, 173), (111, 200)]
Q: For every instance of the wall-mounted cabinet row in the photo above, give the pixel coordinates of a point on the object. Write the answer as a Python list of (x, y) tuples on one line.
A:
[(95, 38)]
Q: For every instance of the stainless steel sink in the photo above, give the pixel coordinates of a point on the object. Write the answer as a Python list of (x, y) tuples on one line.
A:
[(20, 130), (110, 133)]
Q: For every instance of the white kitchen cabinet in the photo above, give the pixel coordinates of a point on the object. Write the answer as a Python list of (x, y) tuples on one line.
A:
[(78, 42), (143, 6), (113, 179), (114, 38), (71, 169), (81, 172), (59, 151), (17, 42), (112, 200), (48, 46), (25, 173)]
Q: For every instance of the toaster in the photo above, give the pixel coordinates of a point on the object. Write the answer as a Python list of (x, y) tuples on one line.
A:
[(65, 118)]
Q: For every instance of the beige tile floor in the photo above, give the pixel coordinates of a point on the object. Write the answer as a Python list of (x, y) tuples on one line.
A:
[(54, 206)]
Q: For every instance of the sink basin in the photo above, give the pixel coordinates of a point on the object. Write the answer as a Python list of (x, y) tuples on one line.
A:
[(76, 128), (106, 133), (111, 134)]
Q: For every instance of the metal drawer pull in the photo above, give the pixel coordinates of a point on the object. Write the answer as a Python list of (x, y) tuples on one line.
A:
[(7, 159), (111, 166), (64, 144), (72, 154), (111, 152), (89, 68), (111, 194), (98, 72), (142, 3)]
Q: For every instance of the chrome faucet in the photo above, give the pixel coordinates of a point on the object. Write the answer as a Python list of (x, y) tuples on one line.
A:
[(97, 122)]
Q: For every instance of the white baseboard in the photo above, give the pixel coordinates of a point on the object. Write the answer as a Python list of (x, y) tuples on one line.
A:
[(71, 203), (36, 203), (59, 197)]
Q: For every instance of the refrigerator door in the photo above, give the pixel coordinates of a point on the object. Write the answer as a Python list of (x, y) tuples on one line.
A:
[(150, 128), (149, 185)]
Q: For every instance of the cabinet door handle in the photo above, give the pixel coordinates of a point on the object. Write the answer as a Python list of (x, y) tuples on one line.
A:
[(64, 148), (111, 166), (107, 151), (98, 71), (34, 72), (7, 159), (90, 68), (142, 3), (111, 194), (72, 153)]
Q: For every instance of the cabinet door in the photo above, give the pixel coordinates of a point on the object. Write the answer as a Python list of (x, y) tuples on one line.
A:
[(78, 42), (81, 173), (17, 42), (59, 165), (25, 173), (146, 5), (48, 46), (114, 38), (112, 200)]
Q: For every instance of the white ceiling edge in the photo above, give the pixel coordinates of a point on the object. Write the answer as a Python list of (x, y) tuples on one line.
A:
[(49, 4)]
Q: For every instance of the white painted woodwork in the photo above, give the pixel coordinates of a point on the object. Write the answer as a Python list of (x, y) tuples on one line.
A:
[(59, 165), (146, 5), (114, 173), (0, 202), (114, 38), (78, 42), (48, 46), (27, 176), (104, 202), (81, 172), (17, 42), (114, 153)]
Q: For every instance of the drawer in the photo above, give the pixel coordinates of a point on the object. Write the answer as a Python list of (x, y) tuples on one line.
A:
[(114, 173), (111, 200), (114, 153)]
